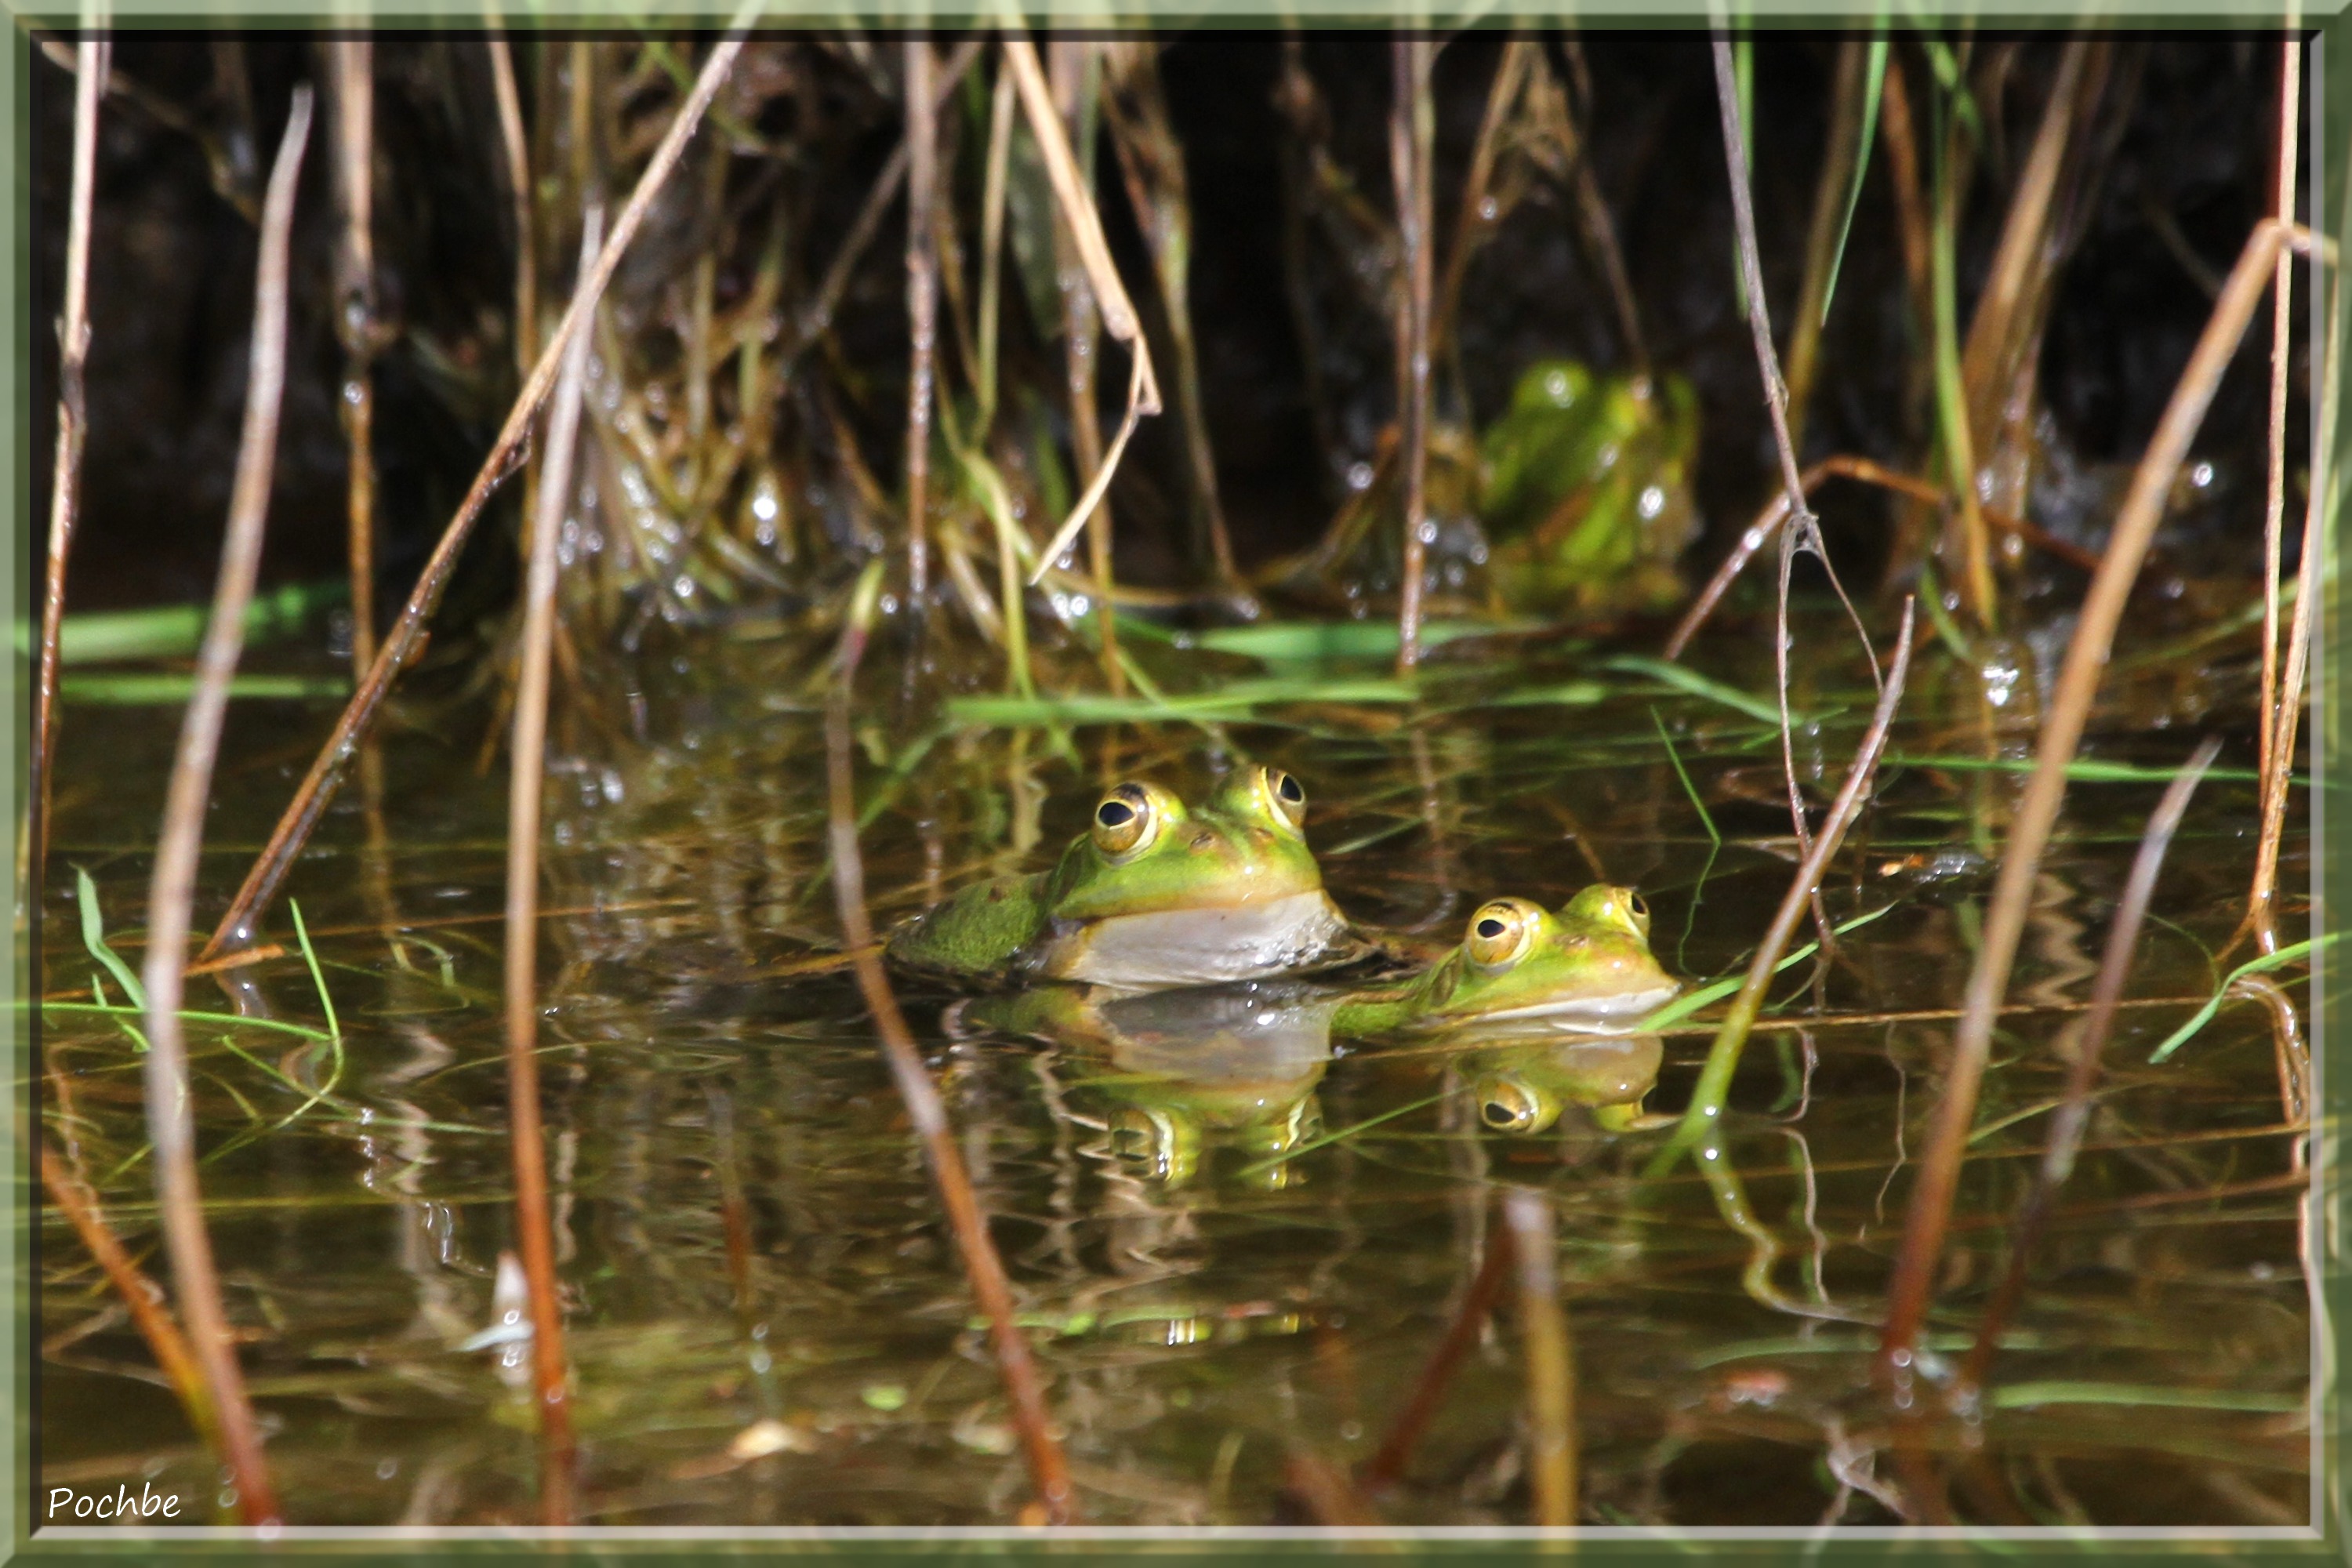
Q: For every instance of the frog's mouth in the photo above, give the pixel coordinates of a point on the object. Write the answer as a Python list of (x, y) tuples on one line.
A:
[(1202, 946), (1585, 1011)]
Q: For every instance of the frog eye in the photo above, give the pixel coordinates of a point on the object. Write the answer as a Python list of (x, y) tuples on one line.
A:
[(1289, 798), (1506, 1106), (1126, 820), (1621, 908), (1501, 933)]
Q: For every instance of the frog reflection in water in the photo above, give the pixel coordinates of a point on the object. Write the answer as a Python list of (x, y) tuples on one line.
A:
[(1155, 893), (1238, 1061), (1522, 1083)]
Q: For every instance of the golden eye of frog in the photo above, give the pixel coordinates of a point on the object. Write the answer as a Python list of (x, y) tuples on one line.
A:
[(1155, 893), (1585, 488), (1587, 968)]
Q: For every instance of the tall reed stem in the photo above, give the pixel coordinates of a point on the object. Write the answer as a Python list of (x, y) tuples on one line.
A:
[(319, 787), (2276, 759), (922, 318), (91, 59), (1410, 132), (527, 784), (351, 74), (1929, 1213), (170, 1118), (1552, 1366)]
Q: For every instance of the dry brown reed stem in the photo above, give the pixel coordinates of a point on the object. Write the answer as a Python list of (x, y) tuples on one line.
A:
[(170, 1118), (90, 62), (1822, 235), (527, 783), (1714, 1088), (1863, 470), (351, 81), (922, 317), (1119, 317), (1386, 1466), (140, 1296), (1470, 220), (2274, 487), (1410, 132), (317, 788), (518, 160), (1076, 83), (1551, 1366), (2036, 814), (1048, 1470), (2066, 1131), (1997, 332), (994, 186)]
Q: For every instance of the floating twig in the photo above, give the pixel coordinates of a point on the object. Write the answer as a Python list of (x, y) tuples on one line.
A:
[(91, 59), (2037, 809), (2065, 1133), (526, 763), (170, 1118), (319, 787)]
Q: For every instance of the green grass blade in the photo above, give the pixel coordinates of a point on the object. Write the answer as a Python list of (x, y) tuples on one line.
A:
[(318, 978), (1682, 1007), (1692, 682), (1874, 79), (93, 937), (1704, 820), (2263, 966)]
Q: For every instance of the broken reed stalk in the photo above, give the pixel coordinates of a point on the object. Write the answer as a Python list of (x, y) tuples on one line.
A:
[(527, 783), (317, 788), (2259, 904), (2066, 1127), (1863, 470), (91, 59), (518, 162), (1714, 1088), (170, 1118), (1410, 132), (1822, 234), (922, 318), (1076, 82), (140, 1296), (352, 76), (1551, 1363), (1387, 1467), (1119, 317), (1929, 1213)]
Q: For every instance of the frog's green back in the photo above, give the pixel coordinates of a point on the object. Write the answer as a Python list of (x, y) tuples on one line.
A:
[(979, 933)]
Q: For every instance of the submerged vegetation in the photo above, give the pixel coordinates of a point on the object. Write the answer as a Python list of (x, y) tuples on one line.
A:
[(785, 488)]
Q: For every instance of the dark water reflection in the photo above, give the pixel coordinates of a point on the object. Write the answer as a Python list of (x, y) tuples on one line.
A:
[(1217, 1269)]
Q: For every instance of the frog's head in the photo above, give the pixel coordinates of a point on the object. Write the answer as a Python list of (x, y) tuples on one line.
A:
[(1586, 967), (1146, 852)]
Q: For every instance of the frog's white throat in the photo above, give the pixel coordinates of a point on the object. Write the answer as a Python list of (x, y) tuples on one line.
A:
[(1199, 947)]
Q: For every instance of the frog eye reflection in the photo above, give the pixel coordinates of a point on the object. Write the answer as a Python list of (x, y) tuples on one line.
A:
[(1501, 933), (1126, 820), (1507, 1107), (1289, 798)]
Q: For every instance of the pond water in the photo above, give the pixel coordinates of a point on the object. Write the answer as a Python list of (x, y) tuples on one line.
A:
[(746, 1232)]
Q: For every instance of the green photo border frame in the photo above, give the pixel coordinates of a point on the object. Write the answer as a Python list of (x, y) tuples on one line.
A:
[(2331, 707)]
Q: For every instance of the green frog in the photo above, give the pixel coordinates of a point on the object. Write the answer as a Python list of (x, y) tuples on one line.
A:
[(1585, 490), (1155, 893), (1240, 1061), (1587, 969)]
